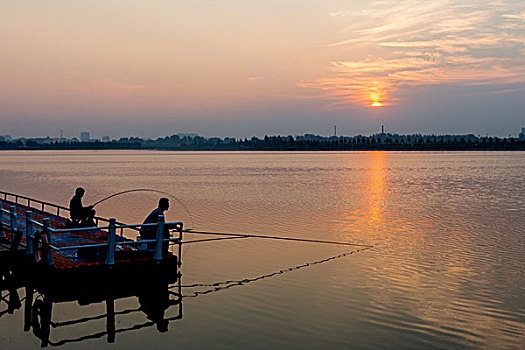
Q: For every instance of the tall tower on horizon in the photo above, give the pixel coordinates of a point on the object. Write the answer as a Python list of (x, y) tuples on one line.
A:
[(335, 130), (85, 136), (382, 129)]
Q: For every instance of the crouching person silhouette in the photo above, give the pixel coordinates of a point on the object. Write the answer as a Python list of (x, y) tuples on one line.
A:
[(81, 216)]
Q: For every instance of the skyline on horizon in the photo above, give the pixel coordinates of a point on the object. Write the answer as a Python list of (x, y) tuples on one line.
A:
[(383, 131), (238, 69)]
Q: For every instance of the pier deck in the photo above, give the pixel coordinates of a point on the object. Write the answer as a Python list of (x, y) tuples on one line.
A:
[(89, 246)]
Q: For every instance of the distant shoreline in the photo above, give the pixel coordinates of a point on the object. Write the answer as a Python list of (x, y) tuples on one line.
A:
[(265, 149), (307, 142)]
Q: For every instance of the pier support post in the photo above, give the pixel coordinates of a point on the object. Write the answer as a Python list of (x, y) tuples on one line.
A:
[(110, 255), (160, 235), (110, 319), (45, 320), (2, 233), (27, 307), (29, 233), (179, 258), (14, 302), (47, 233)]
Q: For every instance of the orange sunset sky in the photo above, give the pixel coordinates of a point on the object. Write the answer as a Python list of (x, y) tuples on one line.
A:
[(243, 68)]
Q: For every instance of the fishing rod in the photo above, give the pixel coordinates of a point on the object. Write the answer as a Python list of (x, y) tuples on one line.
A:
[(148, 190), (249, 235), (129, 191)]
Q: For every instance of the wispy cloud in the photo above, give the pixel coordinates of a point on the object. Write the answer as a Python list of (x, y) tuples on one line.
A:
[(107, 87), (252, 80), (424, 43)]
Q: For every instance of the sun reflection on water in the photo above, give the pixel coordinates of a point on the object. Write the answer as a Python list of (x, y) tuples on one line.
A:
[(376, 185)]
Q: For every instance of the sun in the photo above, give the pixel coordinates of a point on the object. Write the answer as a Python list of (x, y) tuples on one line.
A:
[(376, 97)]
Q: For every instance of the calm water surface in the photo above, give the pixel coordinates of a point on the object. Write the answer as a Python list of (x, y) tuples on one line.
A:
[(446, 270)]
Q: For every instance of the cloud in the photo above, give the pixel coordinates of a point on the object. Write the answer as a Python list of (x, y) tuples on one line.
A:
[(107, 87), (252, 80), (426, 43)]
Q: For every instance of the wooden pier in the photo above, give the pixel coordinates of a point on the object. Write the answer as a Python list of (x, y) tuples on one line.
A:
[(42, 253), (33, 238)]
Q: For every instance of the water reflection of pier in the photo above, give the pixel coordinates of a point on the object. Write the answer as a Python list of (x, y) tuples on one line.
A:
[(156, 293)]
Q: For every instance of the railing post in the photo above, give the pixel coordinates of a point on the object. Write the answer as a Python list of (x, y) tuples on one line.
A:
[(29, 233), (160, 236), (179, 258), (110, 255), (47, 233), (16, 236), (2, 233), (14, 225)]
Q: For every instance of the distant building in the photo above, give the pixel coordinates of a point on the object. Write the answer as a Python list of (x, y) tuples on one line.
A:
[(44, 140), (105, 138), (84, 136), (187, 134), (522, 134)]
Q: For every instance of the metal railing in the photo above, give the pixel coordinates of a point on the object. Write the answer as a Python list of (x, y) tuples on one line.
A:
[(19, 199), (12, 222), (46, 232)]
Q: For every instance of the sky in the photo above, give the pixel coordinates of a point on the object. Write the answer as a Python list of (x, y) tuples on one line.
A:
[(249, 68)]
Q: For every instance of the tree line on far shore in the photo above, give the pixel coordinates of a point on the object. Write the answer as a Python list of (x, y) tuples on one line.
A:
[(308, 142)]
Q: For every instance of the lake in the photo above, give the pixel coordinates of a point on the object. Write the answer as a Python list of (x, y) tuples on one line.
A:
[(445, 271)]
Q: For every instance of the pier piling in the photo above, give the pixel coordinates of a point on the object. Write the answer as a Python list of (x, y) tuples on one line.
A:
[(47, 233), (2, 233)]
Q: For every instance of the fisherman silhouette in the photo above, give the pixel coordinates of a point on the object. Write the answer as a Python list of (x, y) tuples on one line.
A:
[(150, 232), (81, 216)]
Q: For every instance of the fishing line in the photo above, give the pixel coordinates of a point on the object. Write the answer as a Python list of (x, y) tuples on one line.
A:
[(207, 240), (218, 286), (249, 235)]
